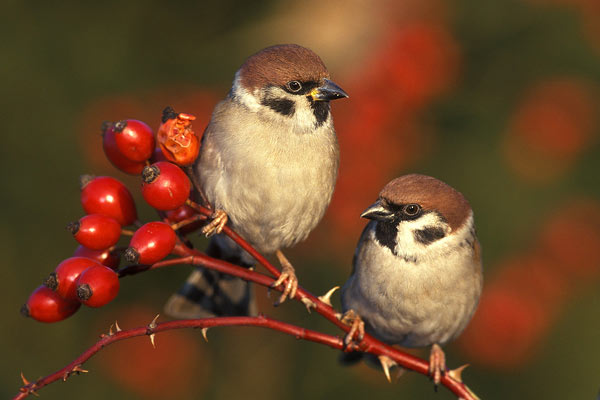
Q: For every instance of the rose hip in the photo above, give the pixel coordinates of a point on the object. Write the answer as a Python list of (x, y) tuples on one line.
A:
[(44, 305), (134, 139), (62, 280), (96, 231), (182, 213), (107, 257), (151, 243), (97, 286), (107, 196), (165, 186), (176, 138), (113, 153)]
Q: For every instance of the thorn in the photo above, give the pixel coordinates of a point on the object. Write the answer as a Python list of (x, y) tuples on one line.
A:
[(151, 326), (25, 381), (153, 323), (204, 330), (308, 303), (79, 370), (252, 268), (110, 331), (386, 364), (456, 373), (326, 298), (338, 316), (117, 327)]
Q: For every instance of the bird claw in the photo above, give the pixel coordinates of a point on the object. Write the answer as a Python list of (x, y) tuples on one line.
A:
[(437, 364), (218, 220), (291, 286), (287, 273), (357, 326)]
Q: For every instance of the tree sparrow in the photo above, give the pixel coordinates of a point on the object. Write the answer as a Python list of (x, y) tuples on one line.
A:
[(416, 276), (268, 164)]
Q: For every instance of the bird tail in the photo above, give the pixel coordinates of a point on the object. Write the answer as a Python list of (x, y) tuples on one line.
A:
[(208, 293)]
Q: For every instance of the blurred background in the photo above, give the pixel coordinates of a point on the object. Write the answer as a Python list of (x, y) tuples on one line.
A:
[(498, 98)]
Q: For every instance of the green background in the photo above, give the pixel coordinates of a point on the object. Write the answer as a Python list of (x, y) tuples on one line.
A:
[(58, 59)]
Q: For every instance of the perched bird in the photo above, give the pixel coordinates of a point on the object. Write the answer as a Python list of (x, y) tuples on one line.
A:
[(417, 276), (268, 165)]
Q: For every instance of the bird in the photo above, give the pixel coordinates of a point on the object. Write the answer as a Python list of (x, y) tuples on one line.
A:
[(268, 165), (417, 274)]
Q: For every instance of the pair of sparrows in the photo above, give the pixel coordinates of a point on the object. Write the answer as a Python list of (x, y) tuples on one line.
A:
[(268, 165)]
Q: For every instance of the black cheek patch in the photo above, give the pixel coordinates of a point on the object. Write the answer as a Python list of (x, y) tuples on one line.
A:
[(282, 106), (320, 110), (429, 234)]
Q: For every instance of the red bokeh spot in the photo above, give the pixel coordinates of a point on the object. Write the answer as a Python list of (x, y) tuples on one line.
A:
[(552, 126), (571, 238), (507, 328)]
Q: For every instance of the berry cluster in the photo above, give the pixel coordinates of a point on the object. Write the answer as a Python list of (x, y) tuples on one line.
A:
[(91, 275)]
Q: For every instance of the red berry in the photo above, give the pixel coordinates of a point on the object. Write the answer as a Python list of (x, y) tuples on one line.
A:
[(134, 139), (165, 186), (176, 138), (62, 280), (114, 155), (44, 305), (96, 231), (107, 196), (182, 213), (151, 243), (106, 257), (97, 286)]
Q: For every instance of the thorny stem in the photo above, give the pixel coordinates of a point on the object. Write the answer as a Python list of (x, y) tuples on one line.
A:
[(260, 321), (190, 256)]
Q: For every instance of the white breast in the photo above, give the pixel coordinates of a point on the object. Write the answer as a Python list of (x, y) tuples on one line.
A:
[(273, 183), (410, 303)]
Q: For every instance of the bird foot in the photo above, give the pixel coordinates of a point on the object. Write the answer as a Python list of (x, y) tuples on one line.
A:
[(288, 275), (356, 324), (219, 219), (437, 363)]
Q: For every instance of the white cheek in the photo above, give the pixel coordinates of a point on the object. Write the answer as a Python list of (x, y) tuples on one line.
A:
[(407, 245)]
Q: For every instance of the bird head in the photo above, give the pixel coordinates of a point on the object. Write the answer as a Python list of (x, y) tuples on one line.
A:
[(415, 212), (287, 83)]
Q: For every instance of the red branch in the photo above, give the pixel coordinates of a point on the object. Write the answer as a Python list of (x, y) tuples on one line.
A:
[(194, 257), (368, 345), (260, 321)]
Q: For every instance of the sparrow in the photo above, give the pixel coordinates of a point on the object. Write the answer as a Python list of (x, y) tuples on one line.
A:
[(267, 165), (417, 274)]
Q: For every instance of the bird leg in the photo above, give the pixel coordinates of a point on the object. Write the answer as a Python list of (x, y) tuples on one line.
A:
[(356, 324), (437, 363), (219, 219), (287, 273)]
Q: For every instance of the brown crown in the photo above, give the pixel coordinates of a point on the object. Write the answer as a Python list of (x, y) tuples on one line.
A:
[(430, 194), (280, 64)]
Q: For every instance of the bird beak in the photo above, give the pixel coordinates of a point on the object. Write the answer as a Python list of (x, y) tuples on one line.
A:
[(327, 91), (378, 212)]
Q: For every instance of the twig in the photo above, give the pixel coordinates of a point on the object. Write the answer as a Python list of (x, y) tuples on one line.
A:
[(261, 321), (193, 257), (368, 345)]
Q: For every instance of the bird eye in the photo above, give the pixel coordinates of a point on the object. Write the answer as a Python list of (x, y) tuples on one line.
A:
[(412, 209), (294, 86)]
